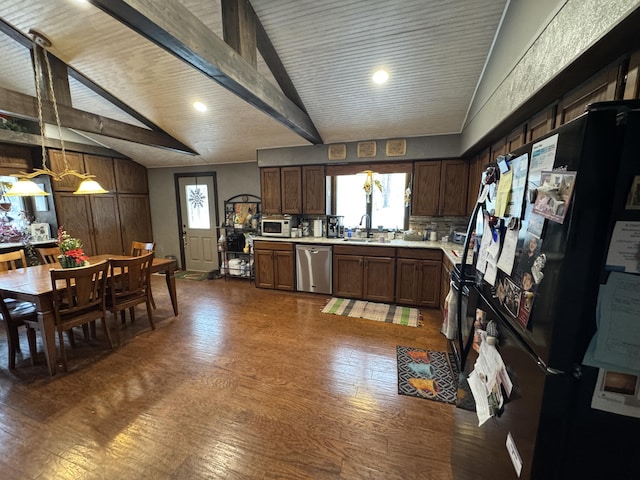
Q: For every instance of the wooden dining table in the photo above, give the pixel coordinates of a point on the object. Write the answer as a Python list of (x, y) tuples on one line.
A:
[(33, 284)]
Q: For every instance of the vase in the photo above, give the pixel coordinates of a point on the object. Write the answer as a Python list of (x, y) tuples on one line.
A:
[(67, 262)]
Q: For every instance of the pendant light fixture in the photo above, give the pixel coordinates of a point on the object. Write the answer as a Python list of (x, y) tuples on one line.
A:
[(25, 187)]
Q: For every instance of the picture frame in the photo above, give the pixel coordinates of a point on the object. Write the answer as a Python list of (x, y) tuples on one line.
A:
[(396, 147), (366, 149), (337, 151)]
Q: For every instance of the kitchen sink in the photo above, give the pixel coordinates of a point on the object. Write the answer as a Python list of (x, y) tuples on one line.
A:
[(359, 240)]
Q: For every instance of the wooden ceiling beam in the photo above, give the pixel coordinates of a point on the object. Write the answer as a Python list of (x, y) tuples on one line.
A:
[(175, 29), (239, 28), (25, 106)]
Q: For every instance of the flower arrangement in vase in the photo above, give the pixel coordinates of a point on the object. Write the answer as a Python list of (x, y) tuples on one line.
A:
[(71, 251)]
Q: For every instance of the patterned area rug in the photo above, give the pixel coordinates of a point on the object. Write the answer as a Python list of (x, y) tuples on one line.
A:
[(191, 275), (426, 374), (380, 312)]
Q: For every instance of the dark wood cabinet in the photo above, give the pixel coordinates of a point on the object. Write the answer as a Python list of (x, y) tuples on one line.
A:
[(135, 219), (57, 163), (274, 265), (291, 189), (540, 124), (378, 278), (364, 272), (425, 198), (453, 187), (440, 187), (94, 219), (314, 185), (106, 223), (270, 190), (418, 277), (445, 279), (130, 177), (632, 84), (599, 88)]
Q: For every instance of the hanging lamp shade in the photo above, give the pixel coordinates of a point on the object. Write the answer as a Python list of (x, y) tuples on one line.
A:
[(25, 188), (89, 187)]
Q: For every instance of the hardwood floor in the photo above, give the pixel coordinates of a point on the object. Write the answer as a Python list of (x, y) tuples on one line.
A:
[(244, 383)]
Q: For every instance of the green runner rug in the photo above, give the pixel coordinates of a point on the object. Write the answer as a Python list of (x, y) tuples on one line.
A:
[(380, 312)]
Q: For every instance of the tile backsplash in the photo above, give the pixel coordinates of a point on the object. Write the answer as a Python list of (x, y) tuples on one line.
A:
[(443, 225)]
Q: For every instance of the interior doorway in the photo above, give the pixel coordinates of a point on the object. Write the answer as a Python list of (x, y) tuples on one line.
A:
[(197, 197)]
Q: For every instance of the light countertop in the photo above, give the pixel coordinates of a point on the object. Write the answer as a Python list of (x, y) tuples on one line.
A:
[(452, 250)]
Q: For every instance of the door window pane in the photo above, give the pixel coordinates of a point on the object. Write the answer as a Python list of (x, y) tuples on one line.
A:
[(197, 206)]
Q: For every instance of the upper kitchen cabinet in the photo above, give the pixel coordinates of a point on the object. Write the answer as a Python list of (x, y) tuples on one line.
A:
[(270, 190), (440, 188), (131, 177), (632, 85), (314, 181), (425, 199), (453, 187), (291, 189), (540, 124), (600, 88)]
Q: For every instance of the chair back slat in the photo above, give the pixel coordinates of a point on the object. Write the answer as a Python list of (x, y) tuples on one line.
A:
[(78, 290), (130, 277), (48, 255), (13, 260), (141, 248)]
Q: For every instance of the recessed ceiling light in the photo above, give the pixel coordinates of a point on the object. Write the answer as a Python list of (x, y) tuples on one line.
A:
[(201, 107), (380, 76)]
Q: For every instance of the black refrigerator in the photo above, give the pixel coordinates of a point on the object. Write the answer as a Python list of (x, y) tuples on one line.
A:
[(544, 327)]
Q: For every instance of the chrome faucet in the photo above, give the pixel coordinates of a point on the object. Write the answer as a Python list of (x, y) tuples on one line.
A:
[(367, 223)]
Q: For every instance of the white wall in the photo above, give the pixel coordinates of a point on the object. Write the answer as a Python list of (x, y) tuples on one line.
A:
[(231, 179)]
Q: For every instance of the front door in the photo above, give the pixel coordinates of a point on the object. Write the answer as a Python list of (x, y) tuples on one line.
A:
[(197, 207)]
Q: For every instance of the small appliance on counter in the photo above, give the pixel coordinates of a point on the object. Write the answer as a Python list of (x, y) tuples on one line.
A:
[(277, 226), (335, 227), (458, 235)]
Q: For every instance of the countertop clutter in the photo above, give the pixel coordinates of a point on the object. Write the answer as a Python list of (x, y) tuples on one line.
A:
[(452, 250)]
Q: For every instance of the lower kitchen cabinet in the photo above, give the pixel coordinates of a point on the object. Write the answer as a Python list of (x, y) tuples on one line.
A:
[(274, 265), (418, 277), (366, 273)]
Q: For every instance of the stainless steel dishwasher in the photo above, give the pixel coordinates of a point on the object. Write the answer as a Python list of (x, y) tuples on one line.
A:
[(313, 268)]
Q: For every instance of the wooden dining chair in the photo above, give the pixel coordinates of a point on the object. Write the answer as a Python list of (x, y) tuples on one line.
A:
[(13, 260), (140, 248), (16, 313), (48, 255), (129, 281), (79, 296)]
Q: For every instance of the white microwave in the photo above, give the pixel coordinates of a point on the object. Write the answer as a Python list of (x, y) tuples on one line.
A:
[(278, 227)]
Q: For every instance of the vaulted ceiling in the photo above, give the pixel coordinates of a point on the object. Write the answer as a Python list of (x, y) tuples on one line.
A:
[(434, 52)]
